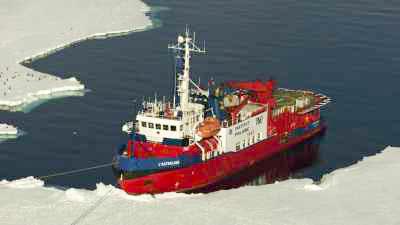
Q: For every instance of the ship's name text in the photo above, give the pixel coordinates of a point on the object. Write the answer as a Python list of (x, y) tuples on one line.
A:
[(169, 163)]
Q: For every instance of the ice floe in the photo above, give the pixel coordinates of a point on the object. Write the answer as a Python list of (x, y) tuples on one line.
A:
[(6, 129), (364, 193), (34, 29)]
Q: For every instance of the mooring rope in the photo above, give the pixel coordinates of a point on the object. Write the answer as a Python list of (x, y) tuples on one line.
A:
[(61, 173), (75, 171), (92, 208), (95, 204)]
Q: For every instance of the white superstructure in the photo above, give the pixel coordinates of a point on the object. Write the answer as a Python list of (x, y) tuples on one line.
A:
[(249, 131), (177, 120)]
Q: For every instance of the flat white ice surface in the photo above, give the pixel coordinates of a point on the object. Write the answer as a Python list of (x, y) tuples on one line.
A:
[(365, 193), (6, 129), (30, 29)]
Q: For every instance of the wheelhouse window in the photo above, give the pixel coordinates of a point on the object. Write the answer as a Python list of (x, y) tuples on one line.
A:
[(151, 125), (173, 128), (181, 127), (165, 127), (144, 124), (158, 126)]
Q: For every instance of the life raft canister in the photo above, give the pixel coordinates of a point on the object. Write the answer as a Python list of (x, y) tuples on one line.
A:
[(208, 128)]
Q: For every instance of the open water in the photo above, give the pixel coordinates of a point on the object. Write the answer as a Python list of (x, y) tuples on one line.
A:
[(346, 49)]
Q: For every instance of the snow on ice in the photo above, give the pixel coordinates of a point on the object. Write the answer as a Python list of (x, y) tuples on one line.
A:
[(364, 193), (9, 132), (6, 129), (33, 29)]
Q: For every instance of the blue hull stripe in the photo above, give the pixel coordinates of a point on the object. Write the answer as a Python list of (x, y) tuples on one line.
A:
[(300, 131), (134, 164)]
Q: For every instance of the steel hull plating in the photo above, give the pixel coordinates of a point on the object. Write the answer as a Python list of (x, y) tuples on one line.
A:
[(206, 175)]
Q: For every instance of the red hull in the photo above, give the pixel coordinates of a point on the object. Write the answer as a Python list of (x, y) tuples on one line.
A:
[(212, 171)]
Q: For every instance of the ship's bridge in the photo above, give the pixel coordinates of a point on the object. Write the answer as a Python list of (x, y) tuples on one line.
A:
[(157, 122), (173, 123)]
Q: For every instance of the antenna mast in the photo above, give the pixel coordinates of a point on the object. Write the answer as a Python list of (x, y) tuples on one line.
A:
[(184, 47)]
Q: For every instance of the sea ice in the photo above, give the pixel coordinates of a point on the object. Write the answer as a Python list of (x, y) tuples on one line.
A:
[(33, 29), (8, 130), (365, 194)]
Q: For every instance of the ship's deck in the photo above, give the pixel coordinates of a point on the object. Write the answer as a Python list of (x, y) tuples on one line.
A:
[(285, 97)]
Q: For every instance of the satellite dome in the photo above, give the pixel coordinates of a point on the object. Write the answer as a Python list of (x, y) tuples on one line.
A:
[(180, 39)]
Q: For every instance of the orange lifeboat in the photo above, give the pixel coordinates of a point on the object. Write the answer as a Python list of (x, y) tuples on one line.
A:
[(208, 128)]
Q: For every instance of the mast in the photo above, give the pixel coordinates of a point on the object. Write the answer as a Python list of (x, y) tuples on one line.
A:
[(184, 47)]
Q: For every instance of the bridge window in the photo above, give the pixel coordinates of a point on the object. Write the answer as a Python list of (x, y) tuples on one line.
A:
[(144, 124), (173, 128), (165, 127), (181, 127), (151, 125), (158, 126)]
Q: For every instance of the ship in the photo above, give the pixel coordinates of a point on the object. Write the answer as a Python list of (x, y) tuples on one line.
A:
[(205, 135)]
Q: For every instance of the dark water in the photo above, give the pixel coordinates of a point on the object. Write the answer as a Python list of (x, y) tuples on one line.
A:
[(346, 49)]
